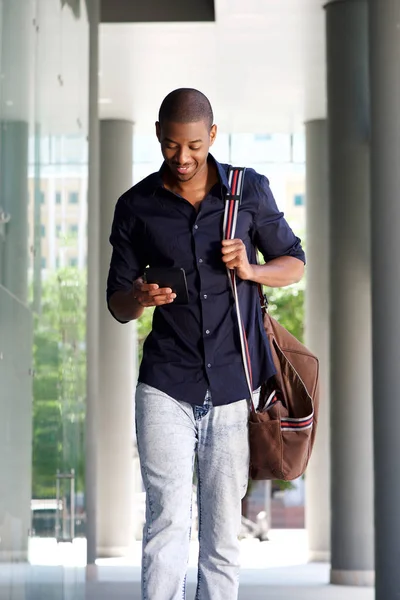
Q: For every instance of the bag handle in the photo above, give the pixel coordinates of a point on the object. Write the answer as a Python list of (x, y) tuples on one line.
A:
[(233, 199)]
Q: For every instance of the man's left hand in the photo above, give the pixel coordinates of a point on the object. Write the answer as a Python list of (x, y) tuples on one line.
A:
[(234, 256)]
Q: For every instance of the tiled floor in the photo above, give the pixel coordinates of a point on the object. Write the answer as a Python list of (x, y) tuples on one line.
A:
[(288, 583), (275, 570)]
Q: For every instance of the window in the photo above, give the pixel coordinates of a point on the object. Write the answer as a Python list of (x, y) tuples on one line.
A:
[(147, 148), (73, 198), (73, 229), (67, 149), (58, 230), (299, 148), (260, 148), (262, 137), (42, 197), (299, 200), (57, 262), (58, 197), (44, 262), (221, 148), (73, 262), (42, 231)]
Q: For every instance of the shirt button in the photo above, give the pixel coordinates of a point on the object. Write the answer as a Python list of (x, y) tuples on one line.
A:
[(207, 331), (205, 296), (200, 260), (209, 366), (196, 226)]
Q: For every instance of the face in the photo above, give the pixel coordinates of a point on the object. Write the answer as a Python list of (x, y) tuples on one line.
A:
[(185, 147)]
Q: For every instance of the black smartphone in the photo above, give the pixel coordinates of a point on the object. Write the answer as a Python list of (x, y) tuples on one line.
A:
[(169, 277)]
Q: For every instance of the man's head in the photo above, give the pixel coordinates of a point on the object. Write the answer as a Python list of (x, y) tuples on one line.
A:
[(185, 131)]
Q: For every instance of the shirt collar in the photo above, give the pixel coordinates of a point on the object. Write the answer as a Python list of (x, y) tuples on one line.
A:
[(157, 181), (222, 173)]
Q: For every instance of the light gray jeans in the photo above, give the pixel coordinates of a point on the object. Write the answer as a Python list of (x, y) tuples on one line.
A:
[(170, 435)]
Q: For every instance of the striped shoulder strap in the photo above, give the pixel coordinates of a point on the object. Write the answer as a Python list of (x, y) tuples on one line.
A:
[(232, 202)]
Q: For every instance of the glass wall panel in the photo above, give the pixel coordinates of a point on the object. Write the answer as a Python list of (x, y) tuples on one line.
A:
[(43, 223)]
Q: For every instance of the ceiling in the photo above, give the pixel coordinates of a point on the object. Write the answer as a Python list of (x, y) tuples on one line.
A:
[(121, 11), (262, 64)]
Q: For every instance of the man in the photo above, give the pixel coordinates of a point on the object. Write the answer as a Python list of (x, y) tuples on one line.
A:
[(192, 396)]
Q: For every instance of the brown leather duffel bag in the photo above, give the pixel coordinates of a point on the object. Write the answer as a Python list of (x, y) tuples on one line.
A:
[(282, 434), (282, 427)]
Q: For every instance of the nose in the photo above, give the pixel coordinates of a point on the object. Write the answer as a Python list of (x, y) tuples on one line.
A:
[(182, 156)]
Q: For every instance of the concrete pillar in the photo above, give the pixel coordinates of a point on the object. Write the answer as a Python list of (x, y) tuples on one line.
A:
[(350, 290), (116, 361), (14, 198), (16, 331), (385, 211), (17, 37), (318, 489), (93, 285)]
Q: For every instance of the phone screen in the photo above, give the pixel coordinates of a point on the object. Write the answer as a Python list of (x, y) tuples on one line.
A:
[(170, 277)]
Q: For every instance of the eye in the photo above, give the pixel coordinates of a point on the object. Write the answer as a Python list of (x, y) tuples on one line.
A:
[(197, 148)]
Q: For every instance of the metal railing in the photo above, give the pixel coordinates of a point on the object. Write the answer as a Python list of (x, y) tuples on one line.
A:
[(67, 516)]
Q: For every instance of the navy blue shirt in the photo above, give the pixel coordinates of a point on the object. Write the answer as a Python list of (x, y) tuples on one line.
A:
[(196, 347)]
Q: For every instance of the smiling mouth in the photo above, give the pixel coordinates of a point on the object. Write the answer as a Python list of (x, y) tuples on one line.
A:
[(182, 170)]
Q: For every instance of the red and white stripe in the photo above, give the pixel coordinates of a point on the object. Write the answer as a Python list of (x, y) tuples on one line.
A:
[(232, 202), (236, 180)]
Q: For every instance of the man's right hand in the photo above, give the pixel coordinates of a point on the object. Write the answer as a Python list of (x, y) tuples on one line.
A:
[(128, 306), (150, 294)]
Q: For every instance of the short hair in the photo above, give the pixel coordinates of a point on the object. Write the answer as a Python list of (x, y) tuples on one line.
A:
[(186, 105)]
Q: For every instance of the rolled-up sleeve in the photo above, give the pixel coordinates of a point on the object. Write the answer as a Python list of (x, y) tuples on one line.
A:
[(273, 235), (127, 262)]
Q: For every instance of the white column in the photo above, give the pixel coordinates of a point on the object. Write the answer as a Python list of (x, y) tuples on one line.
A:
[(16, 94), (16, 333), (116, 361), (93, 300), (318, 491)]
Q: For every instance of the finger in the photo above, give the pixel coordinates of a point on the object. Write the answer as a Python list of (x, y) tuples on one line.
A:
[(233, 250), (146, 300), (147, 287), (235, 246), (161, 300), (233, 264), (141, 290), (160, 292), (228, 243), (231, 256), (236, 241)]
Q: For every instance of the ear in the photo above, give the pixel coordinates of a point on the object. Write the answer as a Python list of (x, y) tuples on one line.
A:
[(213, 134), (158, 131)]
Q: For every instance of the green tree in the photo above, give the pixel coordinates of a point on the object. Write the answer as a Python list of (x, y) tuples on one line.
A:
[(286, 305), (144, 328), (60, 381)]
